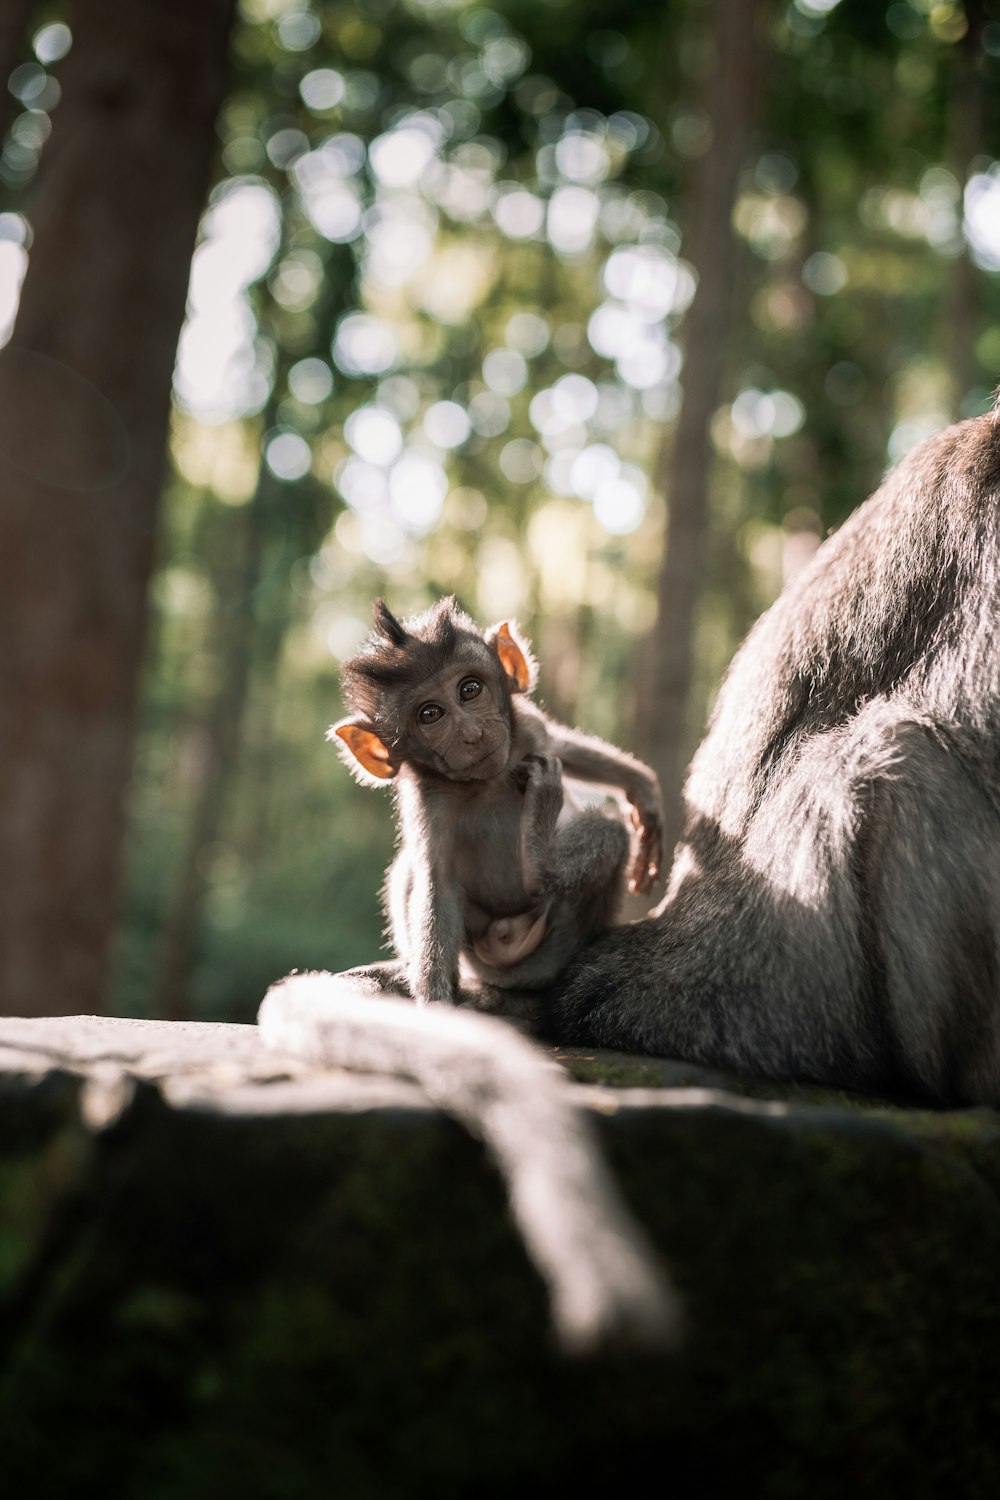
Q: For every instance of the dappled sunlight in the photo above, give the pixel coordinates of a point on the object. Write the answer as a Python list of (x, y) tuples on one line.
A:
[(330, 197), (505, 371), (310, 381), (322, 89), (365, 345), (440, 331), (417, 489), (982, 217), (447, 424), (398, 158), (542, 424), (374, 434), (37, 91), (220, 370), (519, 213), (220, 457), (13, 264), (288, 456), (767, 413)]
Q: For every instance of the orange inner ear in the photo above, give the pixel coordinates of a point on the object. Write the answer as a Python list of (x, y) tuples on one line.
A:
[(512, 658), (368, 750)]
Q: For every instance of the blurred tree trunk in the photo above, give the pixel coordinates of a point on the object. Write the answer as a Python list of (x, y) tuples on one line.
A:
[(84, 405), (251, 639), (683, 465), (14, 18), (963, 303), (216, 760)]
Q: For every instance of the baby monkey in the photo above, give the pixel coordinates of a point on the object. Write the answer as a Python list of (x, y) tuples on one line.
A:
[(487, 879)]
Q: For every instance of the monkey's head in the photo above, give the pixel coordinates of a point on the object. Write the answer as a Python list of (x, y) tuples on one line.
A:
[(433, 692)]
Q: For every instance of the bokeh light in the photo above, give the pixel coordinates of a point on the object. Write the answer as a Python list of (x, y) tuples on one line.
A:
[(288, 456), (310, 381), (364, 345), (52, 42), (220, 373), (374, 434), (447, 424)]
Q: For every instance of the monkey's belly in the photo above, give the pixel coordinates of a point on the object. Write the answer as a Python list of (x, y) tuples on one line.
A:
[(508, 940)]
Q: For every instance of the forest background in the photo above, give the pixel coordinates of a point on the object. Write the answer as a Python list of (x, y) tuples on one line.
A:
[(597, 316)]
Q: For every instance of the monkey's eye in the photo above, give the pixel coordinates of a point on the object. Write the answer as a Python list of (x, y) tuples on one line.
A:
[(469, 689), (429, 713)]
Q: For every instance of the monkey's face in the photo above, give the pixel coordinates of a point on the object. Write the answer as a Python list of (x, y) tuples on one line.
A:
[(459, 723)]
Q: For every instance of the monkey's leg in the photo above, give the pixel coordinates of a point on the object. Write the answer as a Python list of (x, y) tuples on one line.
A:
[(387, 977), (586, 865), (384, 977), (584, 877)]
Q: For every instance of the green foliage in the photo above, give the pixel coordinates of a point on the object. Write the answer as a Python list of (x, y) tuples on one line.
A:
[(458, 357)]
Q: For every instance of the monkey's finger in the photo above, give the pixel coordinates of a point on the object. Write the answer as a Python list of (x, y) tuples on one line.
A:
[(639, 875), (647, 862)]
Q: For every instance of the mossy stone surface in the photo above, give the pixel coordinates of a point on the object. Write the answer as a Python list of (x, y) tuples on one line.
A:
[(225, 1292)]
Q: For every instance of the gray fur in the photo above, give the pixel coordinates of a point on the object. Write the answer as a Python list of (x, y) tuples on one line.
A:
[(834, 908), (478, 797)]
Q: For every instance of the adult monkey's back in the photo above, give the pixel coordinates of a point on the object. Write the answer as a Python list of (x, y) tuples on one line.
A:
[(834, 908)]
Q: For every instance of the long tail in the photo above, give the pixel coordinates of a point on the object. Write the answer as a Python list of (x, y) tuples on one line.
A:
[(605, 1286)]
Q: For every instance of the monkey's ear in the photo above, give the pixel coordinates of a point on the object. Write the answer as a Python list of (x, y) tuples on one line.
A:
[(363, 751), (515, 657)]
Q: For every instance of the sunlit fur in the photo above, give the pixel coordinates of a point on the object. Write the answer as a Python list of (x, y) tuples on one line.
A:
[(834, 908), (487, 875)]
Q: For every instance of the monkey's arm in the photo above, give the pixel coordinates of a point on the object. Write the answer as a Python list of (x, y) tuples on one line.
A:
[(435, 932), (543, 800), (510, 939), (425, 903), (586, 758)]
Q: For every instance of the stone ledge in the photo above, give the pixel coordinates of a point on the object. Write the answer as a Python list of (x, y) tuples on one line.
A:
[(222, 1273)]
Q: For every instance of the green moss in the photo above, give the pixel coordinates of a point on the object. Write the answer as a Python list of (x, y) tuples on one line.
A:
[(626, 1072), (299, 1304)]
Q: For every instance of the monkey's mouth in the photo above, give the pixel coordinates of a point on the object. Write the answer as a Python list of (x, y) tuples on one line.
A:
[(482, 766)]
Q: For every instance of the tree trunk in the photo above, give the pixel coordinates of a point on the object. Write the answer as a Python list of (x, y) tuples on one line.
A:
[(14, 48), (84, 405), (250, 644), (963, 302), (220, 738), (682, 468)]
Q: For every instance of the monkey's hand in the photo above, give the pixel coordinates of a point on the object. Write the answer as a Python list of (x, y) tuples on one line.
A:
[(647, 847), (543, 786)]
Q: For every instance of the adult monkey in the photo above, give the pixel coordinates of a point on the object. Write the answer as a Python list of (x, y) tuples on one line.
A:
[(833, 912), (834, 908)]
